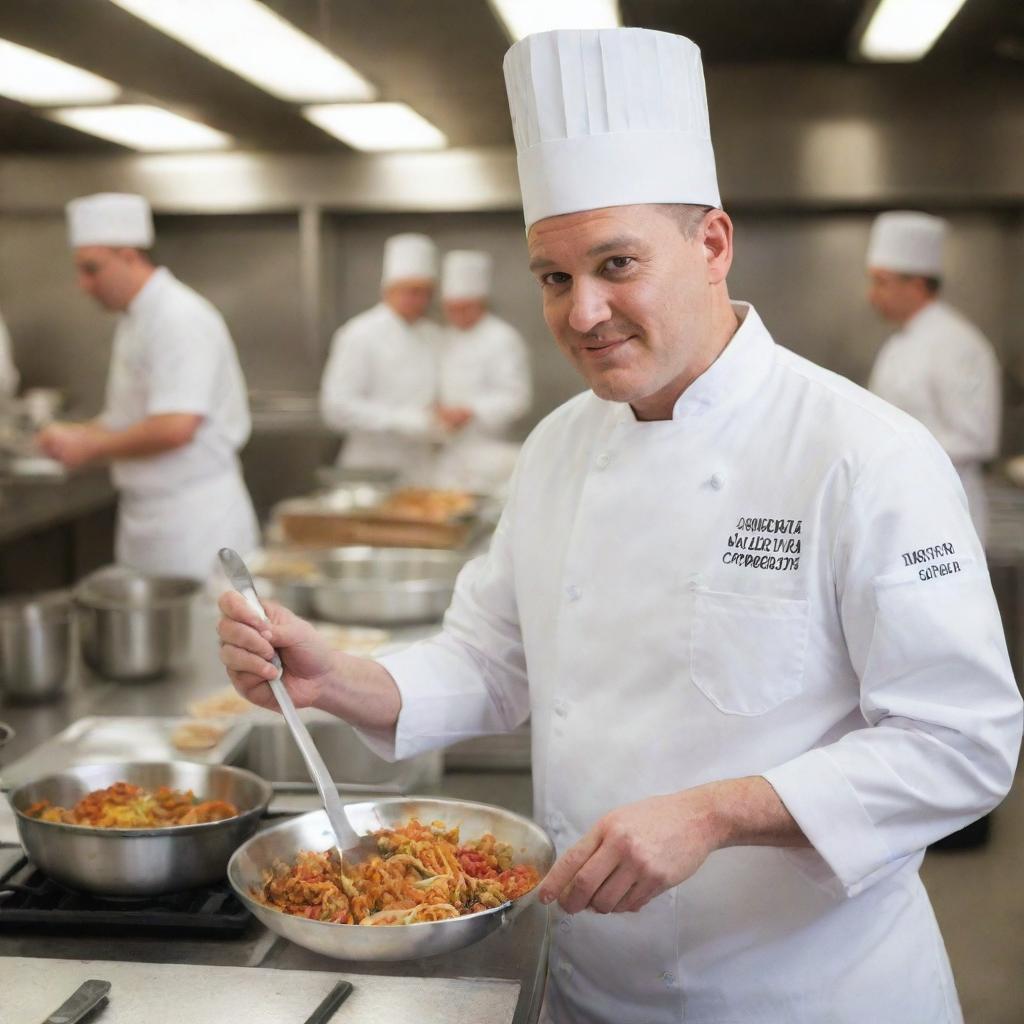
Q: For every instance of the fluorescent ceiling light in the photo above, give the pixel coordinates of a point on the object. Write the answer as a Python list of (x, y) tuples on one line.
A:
[(376, 127), (139, 126), (522, 17), (41, 81), (251, 40), (904, 30)]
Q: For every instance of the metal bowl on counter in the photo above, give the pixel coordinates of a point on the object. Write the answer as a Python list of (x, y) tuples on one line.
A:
[(139, 862), (135, 627), (398, 942), (35, 647), (363, 585)]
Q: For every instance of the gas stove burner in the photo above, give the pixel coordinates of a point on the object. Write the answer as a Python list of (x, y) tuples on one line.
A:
[(30, 898)]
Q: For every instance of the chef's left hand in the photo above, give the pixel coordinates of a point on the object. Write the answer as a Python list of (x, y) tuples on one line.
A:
[(633, 854), (72, 444)]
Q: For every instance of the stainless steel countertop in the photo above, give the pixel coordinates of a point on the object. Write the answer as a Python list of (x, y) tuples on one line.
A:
[(518, 953), (27, 505)]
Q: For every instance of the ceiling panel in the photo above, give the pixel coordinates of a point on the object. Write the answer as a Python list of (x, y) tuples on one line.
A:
[(443, 57)]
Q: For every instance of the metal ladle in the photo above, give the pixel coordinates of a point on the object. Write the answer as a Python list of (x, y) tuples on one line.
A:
[(350, 845)]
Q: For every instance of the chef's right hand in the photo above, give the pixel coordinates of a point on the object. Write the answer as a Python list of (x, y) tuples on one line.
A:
[(248, 643)]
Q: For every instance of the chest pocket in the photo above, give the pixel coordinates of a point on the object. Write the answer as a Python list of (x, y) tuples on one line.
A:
[(747, 653)]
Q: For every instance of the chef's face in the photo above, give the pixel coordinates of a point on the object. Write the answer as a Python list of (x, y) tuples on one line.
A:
[(410, 298), (463, 314), (631, 299), (897, 297), (110, 276)]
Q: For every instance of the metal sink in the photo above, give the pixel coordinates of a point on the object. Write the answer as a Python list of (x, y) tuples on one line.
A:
[(270, 752)]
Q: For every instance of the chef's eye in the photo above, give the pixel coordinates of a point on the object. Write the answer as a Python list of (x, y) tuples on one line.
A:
[(555, 278), (619, 263)]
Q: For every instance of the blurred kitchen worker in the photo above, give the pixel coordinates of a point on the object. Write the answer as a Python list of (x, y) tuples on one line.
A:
[(8, 371), (740, 596), (484, 384), (380, 381), (938, 366), (176, 410)]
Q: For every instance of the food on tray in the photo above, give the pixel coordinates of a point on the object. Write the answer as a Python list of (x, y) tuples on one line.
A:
[(224, 702), (124, 805), (361, 640), (424, 504), (423, 873), (197, 735)]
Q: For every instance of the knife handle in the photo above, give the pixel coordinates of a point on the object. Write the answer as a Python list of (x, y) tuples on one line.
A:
[(330, 1003), (83, 1000)]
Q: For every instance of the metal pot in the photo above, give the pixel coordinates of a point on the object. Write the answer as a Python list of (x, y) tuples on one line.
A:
[(35, 647), (135, 627), (400, 942), (385, 586), (139, 862)]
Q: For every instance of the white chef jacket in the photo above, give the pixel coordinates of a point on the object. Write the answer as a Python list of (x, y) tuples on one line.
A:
[(487, 370), (173, 354), (783, 581), (942, 370), (379, 388), (8, 371)]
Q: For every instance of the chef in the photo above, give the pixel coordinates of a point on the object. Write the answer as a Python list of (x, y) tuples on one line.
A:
[(484, 384), (740, 596), (8, 371), (938, 366), (380, 382), (176, 409)]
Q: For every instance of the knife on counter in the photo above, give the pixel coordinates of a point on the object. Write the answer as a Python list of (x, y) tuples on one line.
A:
[(83, 1000)]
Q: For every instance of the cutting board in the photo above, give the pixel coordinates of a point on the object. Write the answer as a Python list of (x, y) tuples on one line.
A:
[(172, 993)]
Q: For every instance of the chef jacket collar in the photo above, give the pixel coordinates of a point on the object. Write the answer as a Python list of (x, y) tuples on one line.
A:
[(731, 378), (149, 292), (923, 317)]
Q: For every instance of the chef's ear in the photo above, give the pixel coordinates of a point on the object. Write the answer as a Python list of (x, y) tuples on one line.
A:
[(716, 231)]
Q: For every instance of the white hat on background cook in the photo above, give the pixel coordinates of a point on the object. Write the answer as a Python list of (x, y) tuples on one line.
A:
[(409, 257), (466, 274), (908, 243), (609, 117), (110, 218)]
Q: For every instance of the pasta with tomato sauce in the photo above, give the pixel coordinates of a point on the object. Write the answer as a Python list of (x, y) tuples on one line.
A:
[(124, 805), (422, 873)]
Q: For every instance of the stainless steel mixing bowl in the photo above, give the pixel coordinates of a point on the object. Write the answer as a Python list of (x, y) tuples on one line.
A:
[(35, 647), (384, 586), (139, 862), (135, 627), (398, 942)]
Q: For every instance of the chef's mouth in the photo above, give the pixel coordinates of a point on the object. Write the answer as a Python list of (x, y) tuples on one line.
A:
[(598, 346)]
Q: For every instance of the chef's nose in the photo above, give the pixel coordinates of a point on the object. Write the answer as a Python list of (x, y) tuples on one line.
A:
[(589, 306)]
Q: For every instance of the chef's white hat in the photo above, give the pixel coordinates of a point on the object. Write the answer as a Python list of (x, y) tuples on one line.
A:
[(466, 274), (611, 117), (110, 218), (908, 243), (409, 257)]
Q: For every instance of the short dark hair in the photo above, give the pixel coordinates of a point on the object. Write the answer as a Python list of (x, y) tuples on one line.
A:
[(933, 284), (688, 216)]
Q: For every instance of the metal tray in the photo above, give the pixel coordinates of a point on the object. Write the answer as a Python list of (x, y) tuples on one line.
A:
[(99, 739)]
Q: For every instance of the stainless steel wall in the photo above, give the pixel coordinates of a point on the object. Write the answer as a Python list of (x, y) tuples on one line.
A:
[(803, 270)]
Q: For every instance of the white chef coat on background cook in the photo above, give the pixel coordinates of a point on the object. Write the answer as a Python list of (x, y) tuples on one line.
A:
[(173, 354), (485, 369), (9, 377), (782, 580), (379, 388), (942, 370)]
